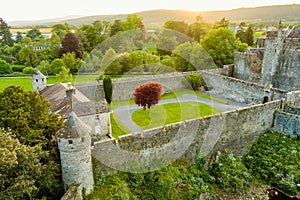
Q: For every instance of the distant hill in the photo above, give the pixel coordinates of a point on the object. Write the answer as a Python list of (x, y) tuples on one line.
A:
[(266, 14)]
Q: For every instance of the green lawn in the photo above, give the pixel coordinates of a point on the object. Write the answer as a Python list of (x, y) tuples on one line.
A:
[(258, 34), (171, 95), (25, 81), (19, 81), (171, 113), (118, 128), (180, 93)]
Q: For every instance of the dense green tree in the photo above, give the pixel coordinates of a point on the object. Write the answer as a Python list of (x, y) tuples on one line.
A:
[(70, 43), (54, 46), (166, 44), (221, 44), (28, 116), (60, 29), (223, 23), (249, 36), (246, 36), (71, 62), (41, 48), (168, 61), (56, 66), (191, 56), (179, 26), (23, 174), (199, 30), (64, 75), (109, 56), (5, 68), (27, 54), (44, 67), (19, 37), (5, 35), (195, 81), (115, 27), (33, 33), (92, 62), (133, 21), (92, 35)]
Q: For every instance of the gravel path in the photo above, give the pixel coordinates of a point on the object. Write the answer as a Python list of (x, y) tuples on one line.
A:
[(124, 113)]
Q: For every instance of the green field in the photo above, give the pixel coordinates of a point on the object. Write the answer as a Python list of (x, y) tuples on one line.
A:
[(171, 113), (25, 81)]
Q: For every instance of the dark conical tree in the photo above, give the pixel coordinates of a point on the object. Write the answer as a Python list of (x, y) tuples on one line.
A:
[(70, 43), (5, 35), (107, 86)]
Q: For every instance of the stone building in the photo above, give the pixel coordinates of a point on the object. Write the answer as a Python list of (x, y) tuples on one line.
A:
[(74, 143), (276, 65), (87, 121), (39, 81), (281, 66)]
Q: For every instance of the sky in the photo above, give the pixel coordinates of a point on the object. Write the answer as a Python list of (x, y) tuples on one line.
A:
[(12, 10)]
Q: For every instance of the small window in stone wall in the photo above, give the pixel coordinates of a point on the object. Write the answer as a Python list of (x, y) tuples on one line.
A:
[(82, 139), (266, 99), (36, 80), (70, 141)]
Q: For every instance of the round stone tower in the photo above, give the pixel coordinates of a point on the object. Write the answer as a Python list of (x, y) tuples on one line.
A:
[(39, 81), (74, 144)]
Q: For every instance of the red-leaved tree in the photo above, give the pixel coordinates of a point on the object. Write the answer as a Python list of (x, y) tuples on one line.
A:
[(148, 94)]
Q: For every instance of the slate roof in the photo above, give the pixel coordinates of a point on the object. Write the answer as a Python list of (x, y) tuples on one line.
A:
[(74, 128), (38, 74), (77, 102), (294, 33)]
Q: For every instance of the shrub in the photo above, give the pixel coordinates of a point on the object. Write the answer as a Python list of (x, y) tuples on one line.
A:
[(230, 173), (18, 68), (195, 81), (274, 159), (56, 66), (5, 68), (28, 70), (64, 75), (107, 86)]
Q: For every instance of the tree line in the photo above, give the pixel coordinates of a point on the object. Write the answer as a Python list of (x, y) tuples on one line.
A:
[(72, 48)]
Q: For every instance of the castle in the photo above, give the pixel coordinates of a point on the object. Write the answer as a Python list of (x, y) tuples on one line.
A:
[(266, 78)]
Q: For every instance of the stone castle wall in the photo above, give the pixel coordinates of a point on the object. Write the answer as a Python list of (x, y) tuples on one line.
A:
[(240, 90), (247, 67), (235, 130), (233, 88), (289, 69), (287, 123), (123, 88), (293, 99)]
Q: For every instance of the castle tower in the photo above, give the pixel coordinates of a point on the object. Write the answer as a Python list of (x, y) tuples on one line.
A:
[(39, 81), (273, 57), (74, 144), (281, 62)]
